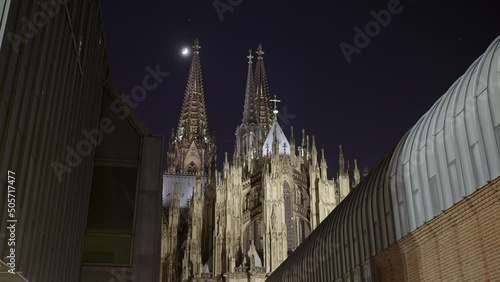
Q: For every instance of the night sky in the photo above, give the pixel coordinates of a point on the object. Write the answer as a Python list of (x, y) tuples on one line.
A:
[(366, 105)]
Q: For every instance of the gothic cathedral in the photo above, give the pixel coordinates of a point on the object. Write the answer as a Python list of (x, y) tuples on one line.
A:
[(240, 223)]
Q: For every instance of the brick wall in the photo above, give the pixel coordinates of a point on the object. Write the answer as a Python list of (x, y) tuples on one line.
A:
[(460, 244)]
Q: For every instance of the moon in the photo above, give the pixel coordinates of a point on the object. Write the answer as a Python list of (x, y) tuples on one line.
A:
[(185, 51)]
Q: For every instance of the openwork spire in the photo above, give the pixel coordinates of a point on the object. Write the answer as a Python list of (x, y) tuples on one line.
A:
[(193, 119), (262, 91), (250, 108)]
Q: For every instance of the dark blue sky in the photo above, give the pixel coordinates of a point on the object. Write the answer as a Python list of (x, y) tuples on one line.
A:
[(366, 105)]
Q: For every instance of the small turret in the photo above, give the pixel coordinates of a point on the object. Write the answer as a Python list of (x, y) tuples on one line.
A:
[(357, 177), (341, 162), (314, 152), (365, 171), (324, 167), (292, 145), (226, 166), (303, 144), (275, 143), (308, 156)]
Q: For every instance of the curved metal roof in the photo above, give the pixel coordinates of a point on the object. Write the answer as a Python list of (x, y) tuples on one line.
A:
[(453, 150)]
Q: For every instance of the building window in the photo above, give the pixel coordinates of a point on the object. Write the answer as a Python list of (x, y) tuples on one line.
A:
[(108, 238)]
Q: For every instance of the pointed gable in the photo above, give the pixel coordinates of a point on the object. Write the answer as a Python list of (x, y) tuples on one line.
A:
[(283, 144), (192, 162)]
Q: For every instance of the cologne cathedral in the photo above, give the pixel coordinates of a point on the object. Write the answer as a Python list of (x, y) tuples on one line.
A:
[(240, 223)]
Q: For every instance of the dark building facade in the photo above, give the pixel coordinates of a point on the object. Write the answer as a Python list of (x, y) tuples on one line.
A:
[(429, 210), (69, 152)]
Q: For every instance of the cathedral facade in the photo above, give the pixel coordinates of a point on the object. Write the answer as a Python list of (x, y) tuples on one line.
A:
[(240, 223)]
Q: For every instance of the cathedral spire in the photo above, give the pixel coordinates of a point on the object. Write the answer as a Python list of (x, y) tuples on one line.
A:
[(250, 108), (262, 91), (193, 118)]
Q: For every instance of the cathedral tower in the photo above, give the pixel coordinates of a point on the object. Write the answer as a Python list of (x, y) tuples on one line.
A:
[(191, 162), (243, 221), (192, 147), (256, 114)]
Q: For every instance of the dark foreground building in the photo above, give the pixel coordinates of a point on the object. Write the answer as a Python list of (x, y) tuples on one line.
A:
[(430, 210), (80, 175)]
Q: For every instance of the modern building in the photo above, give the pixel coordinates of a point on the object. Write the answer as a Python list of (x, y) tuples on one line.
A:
[(80, 175), (240, 223), (430, 210)]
